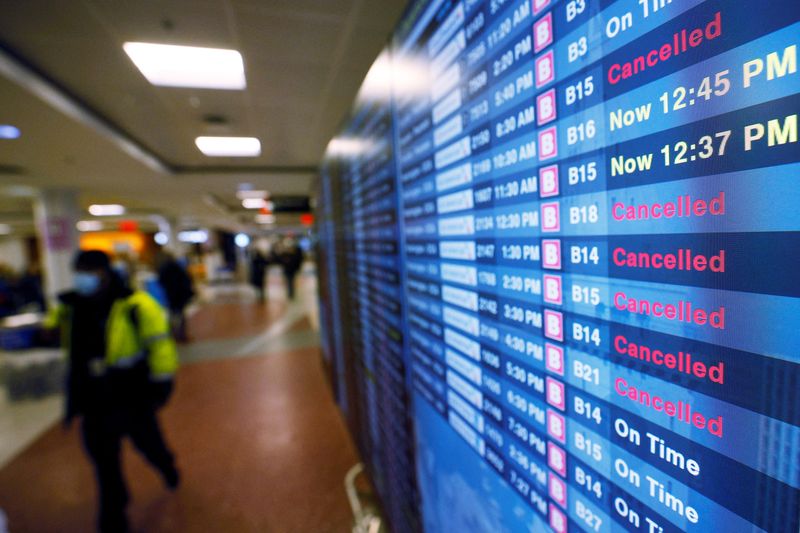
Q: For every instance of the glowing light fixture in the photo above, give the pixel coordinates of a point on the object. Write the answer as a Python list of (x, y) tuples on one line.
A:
[(243, 194), (193, 236), (241, 240), (7, 131), (345, 147), (89, 225), (188, 66), (106, 210), (253, 203), (161, 238), (229, 146)]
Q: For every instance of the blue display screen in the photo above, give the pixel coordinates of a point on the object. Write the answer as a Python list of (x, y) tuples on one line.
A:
[(580, 265)]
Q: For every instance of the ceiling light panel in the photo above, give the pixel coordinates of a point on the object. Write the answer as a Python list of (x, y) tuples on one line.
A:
[(193, 236), (7, 131), (229, 146), (106, 210), (253, 203), (89, 225), (188, 66), (250, 193)]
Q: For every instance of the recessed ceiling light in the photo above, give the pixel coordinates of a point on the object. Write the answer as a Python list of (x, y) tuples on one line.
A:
[(241, 194), (188, 66), (258, 203), (161, 238), (89, 225), (7, 131), (229, 146), (347, 147), (253, 203), (197, 236), (106, 210)]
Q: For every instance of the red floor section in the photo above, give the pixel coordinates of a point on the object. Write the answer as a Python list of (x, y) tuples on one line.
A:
[(260, 443), (231, 320)]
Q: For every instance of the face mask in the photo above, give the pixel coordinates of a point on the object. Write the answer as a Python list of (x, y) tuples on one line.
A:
[(86, 283)]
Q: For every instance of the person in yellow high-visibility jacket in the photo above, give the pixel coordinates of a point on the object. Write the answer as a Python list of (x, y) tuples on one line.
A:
[(122, 361)]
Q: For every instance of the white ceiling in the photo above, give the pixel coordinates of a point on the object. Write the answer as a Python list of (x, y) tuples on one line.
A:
[(304, 61)]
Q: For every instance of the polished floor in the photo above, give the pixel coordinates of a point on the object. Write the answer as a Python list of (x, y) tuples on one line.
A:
[(259, 441)]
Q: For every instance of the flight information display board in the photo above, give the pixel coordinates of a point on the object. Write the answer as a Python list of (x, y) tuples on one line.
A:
[(360, 205), (599, 231)]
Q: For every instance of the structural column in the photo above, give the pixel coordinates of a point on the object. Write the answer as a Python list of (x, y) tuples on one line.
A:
[(57, 212)]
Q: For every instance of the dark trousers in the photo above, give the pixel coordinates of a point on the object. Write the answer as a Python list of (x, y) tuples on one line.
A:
[(290, 277), (260, 292), (102, 438), (177, 323)]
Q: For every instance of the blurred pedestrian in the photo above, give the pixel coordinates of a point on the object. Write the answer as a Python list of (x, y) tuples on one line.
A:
[(291, 259), (29, 288), (259, 263), (177, 285), (122, 361)]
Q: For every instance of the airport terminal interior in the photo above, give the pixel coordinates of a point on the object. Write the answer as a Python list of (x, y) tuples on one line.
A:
[(409, 266)]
